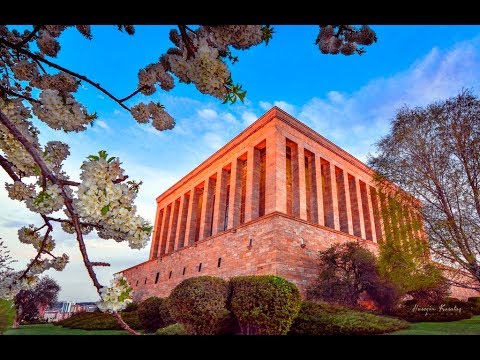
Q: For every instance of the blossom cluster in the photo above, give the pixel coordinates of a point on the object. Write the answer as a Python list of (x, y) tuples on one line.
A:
[(11, 283), (154, 112), (344, 39), (61, 111), (116, 297), (104, 200), (46, 201)]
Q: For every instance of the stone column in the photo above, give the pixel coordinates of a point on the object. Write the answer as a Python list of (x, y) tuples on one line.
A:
[(220, 202), (253, 184), (346, 184), (182, 222), (275, 173), (235, 194), (207, 206), (191, 218), (373, 224), (333, 184), (166, 223), (318, 179), (360, 208), (172, 228), (302, 198), (156, 235)]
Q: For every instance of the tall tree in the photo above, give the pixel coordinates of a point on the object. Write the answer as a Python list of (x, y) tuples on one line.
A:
[(433, 153), (30, 302)]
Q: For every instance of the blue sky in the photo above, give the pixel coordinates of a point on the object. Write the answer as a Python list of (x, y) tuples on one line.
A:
[(350, 100)]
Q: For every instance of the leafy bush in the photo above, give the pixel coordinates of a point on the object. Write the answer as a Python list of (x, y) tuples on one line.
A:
[(174, 329), (154, 314), (199, 303), (264, 304), (323, 319), (100, 321), (7, 314)]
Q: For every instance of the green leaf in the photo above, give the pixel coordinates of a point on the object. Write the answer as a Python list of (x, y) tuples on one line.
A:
[(93, 157), (111, 159), (105, 209)]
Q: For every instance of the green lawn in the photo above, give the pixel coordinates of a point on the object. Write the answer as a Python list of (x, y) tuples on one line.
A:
[(463, 327), (49, 329)]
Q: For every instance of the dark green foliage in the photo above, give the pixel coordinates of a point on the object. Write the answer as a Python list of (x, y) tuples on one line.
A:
[(154, 314), (133, 306), (264, 304), (7, 314), (100, 321), (174, 329), (348, 270), (323, 319), (475, 305), (199, 303)]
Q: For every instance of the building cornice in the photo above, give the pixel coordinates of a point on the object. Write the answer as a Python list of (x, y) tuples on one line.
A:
[(273, 113)]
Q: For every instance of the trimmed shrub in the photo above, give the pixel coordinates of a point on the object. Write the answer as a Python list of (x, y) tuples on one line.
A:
[(323, 319), (174, 329), (199, 303), (154, 314), (264, 304), (100, 321)]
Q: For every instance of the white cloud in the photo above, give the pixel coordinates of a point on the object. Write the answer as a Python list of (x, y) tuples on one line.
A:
[(249, 117), (102, 124), (265, 105), (208, 114)]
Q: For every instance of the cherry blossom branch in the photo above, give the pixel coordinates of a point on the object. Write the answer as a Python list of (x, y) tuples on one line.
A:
[(8, 167), (77, 75), (30, 36), (123, 324), (13, 93), (42, 246), (191, 49), (71, 222)]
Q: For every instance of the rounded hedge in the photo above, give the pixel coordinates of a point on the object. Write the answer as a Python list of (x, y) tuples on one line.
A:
[(174, 329), (264, 304), (199, 303), (154, 314)]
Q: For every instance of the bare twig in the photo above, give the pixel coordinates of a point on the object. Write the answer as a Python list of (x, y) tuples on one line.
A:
[(30, 36), (123, 324), (191, 49)]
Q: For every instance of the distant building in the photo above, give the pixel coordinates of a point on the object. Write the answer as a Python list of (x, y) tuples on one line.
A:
[(64, 309)]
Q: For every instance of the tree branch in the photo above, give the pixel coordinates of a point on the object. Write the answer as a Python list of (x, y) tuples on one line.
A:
[(61, 68), (123, 324), (8, 167), (30, 36), (191, 49)]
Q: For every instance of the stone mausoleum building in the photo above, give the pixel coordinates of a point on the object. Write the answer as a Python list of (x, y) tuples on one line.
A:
[(265, 203)]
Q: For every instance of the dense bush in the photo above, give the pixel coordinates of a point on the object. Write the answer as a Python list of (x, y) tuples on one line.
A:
[(174, 329), (100, 321), (323, 319), (199, 303), (154, 314), (264, 304), (7, 314)]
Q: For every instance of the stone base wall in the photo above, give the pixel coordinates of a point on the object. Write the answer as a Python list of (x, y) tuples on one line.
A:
[(280, 245)]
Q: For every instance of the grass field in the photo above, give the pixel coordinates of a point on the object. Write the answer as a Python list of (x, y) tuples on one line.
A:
[(49, 329), (463, 327)]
